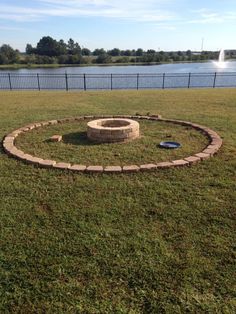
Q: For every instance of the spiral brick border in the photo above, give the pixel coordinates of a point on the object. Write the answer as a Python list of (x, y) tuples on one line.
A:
[(214, 145)]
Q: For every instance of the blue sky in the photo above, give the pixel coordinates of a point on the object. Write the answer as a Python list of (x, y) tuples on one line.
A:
[(126, 24)]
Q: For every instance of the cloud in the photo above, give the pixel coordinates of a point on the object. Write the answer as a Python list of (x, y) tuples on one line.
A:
[(162, 13), (9, 28), (205, 16), (136, 10)]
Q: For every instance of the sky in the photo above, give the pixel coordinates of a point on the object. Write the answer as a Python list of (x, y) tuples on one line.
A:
[(168, 25)]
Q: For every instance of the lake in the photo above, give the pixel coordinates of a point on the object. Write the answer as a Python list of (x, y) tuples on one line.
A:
[(176, 75), (133, 69)]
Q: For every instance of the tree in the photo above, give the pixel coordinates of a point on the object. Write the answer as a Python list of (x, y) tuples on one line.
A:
[(30, 59), (151, 51), (103, 58), (3, 59), (74, 59), (139, 52), (114, 52), (85, 52), (47, 46), (127, 53), (189, 54), (61, 47), (73, 48), (8, 54), (98, 52), (29, 49)]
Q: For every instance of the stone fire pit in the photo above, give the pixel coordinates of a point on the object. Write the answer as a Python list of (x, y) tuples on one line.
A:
[(112, 130)]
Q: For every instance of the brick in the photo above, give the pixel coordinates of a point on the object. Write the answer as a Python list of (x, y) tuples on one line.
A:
[(158, 116), (199, 127), (37, 125), (212, 133), (131, 168), (105, 116), (89, 117), (44, 123), (18, 154), (53, 122), (203, 155), (148, 167), (217, 141), (23, 129), (8, 139), (46, 163), (62, 165), (213, 147), (56, 138), (102, 131), (11, 150), (143, 117), (209, 151), (28, 158), (14, 133), (113, 169), (30, 126), (176, 121), (123, 116), (79, 118), (180, 162), (94, 169), (69, 119), (31, 159), (165, 164), (192, 159), (80, 168), (8, 147)]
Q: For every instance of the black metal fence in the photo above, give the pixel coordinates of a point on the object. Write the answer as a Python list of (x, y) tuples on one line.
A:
[(65, 81)]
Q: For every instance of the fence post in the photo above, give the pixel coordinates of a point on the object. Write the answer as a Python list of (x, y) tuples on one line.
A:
[(214, 83), (85, 87), (111, 82), (66, 78), (137, 81), (189, 78), (38, 81), (163, 81), (9, 78)]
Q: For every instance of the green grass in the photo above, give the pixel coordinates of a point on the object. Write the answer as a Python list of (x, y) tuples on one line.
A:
[(160, 242)]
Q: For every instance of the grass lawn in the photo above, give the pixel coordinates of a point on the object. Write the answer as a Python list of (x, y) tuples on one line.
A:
[(159, 242)]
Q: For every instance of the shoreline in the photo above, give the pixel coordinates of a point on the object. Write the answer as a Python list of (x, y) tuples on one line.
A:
[(56, 65)]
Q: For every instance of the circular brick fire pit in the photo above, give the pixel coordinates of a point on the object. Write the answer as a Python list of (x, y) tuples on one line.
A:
[(211, 149), (112, 130)]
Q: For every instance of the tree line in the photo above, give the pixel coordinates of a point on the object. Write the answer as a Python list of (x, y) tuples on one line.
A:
[(51, 51)]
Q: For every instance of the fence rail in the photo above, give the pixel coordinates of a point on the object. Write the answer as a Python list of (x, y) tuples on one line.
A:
[(66, 81)]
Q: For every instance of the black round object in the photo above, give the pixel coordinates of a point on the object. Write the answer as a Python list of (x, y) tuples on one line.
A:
[(170, 145)]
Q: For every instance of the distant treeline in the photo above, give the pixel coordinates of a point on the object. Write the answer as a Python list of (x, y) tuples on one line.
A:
[(51, 51)]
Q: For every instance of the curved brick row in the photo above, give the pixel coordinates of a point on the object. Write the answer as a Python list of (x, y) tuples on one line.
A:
[(215, 143)]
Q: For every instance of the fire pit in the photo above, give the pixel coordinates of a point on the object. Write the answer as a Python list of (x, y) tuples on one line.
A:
[(112, 130)]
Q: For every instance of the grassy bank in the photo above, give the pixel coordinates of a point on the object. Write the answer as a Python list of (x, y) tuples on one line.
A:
[(161, 242)]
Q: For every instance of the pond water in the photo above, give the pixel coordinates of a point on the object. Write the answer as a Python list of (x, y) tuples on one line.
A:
[(205, 67), (176, 75)]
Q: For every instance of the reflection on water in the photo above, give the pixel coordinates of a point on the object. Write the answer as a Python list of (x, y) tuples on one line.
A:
[(210, 66), (221, 64), (181, 75)]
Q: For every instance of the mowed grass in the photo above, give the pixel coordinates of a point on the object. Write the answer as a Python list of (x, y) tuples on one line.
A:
[(159, 242)]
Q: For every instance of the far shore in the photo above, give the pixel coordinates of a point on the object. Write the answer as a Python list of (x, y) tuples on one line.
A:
[(56, 65)]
